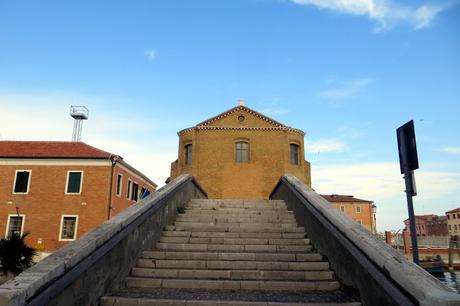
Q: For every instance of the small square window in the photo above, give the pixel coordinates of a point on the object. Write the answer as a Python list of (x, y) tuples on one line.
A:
[(119, 185), (342, 208), (15, 225), (294, 154), (135, 193), (144, 192), (21, 181), (188, 154), (74, 182), (242, 152), (358, 209), (128, 191), (68, 228)]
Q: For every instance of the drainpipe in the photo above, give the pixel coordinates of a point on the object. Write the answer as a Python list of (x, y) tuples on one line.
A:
[(113, 159)]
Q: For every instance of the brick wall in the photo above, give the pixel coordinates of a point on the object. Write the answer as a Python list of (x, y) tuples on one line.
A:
[(122, 201), (46, 201), (214, 162)]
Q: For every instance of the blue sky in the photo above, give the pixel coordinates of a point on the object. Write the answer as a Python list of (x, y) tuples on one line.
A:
[(348, 73)]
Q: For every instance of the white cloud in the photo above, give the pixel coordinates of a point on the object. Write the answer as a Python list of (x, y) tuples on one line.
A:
[(382, 183), (326, 145), (385, 13), (345, 89), (451, 150), (424, 15), (277, 111), (122, 134), (151, 54)]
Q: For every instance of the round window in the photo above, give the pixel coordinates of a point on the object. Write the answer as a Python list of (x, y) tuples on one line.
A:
[(241, 118)]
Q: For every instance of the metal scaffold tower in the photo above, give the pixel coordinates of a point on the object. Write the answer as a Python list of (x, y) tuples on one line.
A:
[(78, 113)]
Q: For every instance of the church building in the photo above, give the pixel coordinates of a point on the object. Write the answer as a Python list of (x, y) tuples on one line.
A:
[(241, 154)]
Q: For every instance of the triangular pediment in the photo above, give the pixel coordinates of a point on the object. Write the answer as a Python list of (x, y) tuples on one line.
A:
[(241, 116)]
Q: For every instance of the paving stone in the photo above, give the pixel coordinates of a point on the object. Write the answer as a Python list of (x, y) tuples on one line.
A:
[(249, 296)]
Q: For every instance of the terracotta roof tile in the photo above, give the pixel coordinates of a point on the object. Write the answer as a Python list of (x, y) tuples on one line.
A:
[(343, 198), (453, 210), (50, 149), (425, 216)]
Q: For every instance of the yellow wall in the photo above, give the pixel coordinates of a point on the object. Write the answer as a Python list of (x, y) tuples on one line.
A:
[(214, 162)]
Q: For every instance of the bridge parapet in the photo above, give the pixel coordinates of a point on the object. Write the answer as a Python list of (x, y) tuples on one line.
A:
[(382, 275), (100, 261)]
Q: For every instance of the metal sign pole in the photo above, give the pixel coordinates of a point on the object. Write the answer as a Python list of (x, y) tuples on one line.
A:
[(408, 161), (410, 207)]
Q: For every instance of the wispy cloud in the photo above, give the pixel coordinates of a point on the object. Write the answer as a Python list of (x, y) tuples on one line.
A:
[(274, 108), (326, 146), (345, 89), (151, 54), (451, 150), (122, 134), (385, 13), (381, 182), (277, 111)]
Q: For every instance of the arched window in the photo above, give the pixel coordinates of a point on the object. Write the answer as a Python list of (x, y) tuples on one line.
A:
[(294, 154), (188, 154), (242, 152)]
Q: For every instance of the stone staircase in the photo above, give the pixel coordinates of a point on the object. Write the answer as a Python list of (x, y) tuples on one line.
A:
[(232, 252)]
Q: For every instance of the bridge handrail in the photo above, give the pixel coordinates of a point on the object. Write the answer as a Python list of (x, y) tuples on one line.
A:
[(373, 267), (89, 267)]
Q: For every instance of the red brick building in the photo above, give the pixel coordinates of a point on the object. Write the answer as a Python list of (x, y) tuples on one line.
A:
[(362, 211), (58, 191), (429, 225)]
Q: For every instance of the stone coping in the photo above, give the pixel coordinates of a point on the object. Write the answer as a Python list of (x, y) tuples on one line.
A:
[(415, 281), (34, 280)]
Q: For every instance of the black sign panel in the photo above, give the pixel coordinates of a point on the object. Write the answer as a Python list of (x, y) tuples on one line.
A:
[(407, 147)]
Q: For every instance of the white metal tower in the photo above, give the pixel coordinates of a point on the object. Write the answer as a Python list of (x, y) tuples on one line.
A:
[(78, 113)]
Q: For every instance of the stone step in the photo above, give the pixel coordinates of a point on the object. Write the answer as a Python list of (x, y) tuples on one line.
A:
[(301, 257), (233, 285), (232, 274), (238, 213), (127, 301), (245, 241), (232, 229), (232, 265), (236, 202), (228, 227), (235, 210), (225, 219), (241, 225), (233, 235), (232, 247), (237, 205)]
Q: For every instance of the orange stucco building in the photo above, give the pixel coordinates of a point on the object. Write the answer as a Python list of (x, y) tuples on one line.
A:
[(241, 154), (58, 191), (362, 211)]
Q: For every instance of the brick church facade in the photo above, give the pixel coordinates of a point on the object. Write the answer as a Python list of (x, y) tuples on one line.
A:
[(241, 154)]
